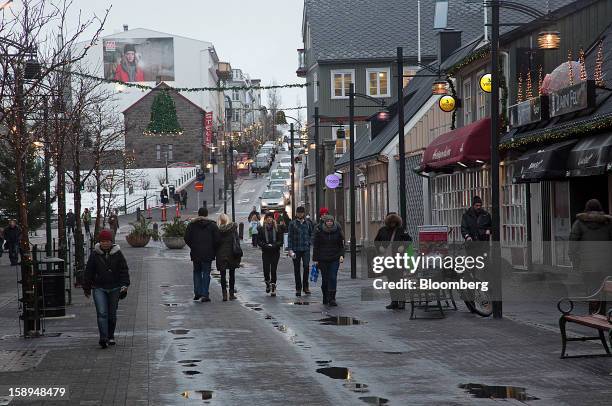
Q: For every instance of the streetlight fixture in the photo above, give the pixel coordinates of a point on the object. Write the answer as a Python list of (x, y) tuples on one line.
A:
[(549, 40), (439, 87)]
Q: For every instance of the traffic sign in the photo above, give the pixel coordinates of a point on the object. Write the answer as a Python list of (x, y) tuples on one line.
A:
[(199, 186)]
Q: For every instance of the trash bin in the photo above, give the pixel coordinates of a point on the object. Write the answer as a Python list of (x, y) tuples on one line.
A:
[(52, 287)]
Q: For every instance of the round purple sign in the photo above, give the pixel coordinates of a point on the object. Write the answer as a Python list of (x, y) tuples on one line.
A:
[(332, 181)]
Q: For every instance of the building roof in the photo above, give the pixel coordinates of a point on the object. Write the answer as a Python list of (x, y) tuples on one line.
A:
[(362, 29)]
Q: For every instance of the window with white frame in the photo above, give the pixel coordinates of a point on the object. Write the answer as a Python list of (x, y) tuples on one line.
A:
[(236, 95), (514, 210), (373, 215), (307, 40), (481, 100), (340, 82), (378, 82), (467, 101), (358, 203), (341, 144), (158, 152), (170, 152), (383, 197), (236, 116), (315, 87)]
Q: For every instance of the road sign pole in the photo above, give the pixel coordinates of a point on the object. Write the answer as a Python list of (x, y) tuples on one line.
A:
[(198, 194)]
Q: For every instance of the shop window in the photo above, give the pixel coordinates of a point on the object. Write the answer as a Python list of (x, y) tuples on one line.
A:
[(513, 210), (340, 83), (158, 152), (467, 101)]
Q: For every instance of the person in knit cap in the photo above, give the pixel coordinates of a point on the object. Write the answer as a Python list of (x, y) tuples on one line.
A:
[(327, 254), (323, 211), (107, 275), (476, 222)]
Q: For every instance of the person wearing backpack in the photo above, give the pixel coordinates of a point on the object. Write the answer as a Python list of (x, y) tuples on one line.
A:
[(229, 254), (270, 240), (107, 274), (300, 238)]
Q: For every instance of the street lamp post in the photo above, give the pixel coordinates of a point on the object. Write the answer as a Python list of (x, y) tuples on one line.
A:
[(400, 128), (317, 165), (292, 131)]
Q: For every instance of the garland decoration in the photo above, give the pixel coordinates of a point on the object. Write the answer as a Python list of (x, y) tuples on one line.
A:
[(540, 81), (529, 86), (570, 71), (599, 81), (519, 96), (583, 71), (163, 116)]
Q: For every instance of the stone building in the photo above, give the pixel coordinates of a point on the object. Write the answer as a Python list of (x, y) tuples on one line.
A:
[(151, 150)]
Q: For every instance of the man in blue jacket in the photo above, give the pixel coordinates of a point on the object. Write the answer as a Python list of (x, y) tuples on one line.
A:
[(300, 238)]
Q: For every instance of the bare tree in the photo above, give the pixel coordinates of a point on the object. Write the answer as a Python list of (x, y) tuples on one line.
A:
[(274, 102)]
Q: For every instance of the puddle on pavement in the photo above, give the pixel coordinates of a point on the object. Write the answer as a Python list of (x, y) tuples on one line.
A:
[(302, 303), (198, 394), (393, 352), (268, 317), (251, 305), (178, 331), (175, 317), (321, 362), (189, 361), (497, 392), (164, 286), (374, 400), (282, 328), (191, 372), (184, 338), (356, 387), (257, 309), (340, 321), (335, 372), (190, 365), (172, 304)]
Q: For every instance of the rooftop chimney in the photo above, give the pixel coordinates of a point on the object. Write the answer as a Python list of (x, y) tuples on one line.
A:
[(125, 27), (448, 42)]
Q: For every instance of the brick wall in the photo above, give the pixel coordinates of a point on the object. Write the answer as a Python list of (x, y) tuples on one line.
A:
[(185, 148)]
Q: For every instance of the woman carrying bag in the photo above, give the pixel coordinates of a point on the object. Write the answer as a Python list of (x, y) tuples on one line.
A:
[(107, 273), (270, 238), (228, 255)]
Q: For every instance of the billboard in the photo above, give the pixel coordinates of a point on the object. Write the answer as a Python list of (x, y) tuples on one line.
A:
[(139, 59)]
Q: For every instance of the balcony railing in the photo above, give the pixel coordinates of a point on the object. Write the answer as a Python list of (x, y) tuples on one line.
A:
[(301, 71)]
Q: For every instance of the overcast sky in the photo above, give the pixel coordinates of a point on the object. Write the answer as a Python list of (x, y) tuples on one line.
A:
[(260, 37)]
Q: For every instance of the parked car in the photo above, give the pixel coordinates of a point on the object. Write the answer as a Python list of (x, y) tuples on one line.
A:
[(283, 189), (261, 164), (272, 200)]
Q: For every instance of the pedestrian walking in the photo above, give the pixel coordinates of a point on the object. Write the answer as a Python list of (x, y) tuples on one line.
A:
[(254, 219), (12, 235), (228, 254), (589, 247), (328, 253), (476, 222), (184, 198), (86, 217), (107, 275), (163, 195), (270, 239), (388, 237), (113, 222), (70, 222), (202, 237), (300, 237), (177, 198)]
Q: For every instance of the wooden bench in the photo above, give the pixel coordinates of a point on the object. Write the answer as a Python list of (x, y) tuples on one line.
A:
[(596, 318)]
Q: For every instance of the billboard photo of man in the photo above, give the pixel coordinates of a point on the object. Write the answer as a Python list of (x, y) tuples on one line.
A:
[(128, 69)]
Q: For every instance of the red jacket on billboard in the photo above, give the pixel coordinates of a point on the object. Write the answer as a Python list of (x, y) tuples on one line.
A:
[(122, 75)]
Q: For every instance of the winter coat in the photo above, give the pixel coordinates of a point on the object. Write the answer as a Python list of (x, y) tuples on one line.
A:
[(475, 224), (225, 256), (300, 235), (202, 236), (113, 222), (266, 236), (12, 234), (253, 213), (86, 217), (122, 75), (106, 270), (328, 244), (590, 247), (386, 231), (70, 220)]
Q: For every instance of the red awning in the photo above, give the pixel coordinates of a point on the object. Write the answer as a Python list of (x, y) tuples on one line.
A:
[(465, 145)]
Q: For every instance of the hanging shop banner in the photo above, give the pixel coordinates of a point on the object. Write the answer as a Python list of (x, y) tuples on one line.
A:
[(528, 112), (208, 128), (572, 98), (332, 181)]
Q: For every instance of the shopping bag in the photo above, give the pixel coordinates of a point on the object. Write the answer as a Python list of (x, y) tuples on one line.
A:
[(314, 273)]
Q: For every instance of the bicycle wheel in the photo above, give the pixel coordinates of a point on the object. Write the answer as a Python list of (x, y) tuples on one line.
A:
[(483, 306)]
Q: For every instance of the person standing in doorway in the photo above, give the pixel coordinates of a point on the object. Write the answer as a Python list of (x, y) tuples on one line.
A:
[(300, 238), (70, 222), (202, 237), (229, 254), (12, 235), (328, 253), (270, 239), (107, 274), (86, 217)]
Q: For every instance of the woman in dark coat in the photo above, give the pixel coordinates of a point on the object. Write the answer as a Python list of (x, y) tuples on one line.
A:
[(590, 247), (270, 239), (327, 254), (392, 232), (227, 260), (107, 273)]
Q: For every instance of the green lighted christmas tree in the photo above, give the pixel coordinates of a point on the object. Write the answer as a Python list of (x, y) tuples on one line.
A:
[(163, 116)]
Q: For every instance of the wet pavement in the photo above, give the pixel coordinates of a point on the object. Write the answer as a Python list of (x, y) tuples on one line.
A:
[(260, 350)]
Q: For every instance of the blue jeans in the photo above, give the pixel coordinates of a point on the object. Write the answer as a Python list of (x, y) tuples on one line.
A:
[(201, 278), (106, 301), (329, 273)]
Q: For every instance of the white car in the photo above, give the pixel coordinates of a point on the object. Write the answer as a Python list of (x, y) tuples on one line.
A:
[(272, 200), (285, 162)]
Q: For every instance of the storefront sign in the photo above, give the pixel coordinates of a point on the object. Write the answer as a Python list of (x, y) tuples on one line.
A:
[(208, 128), (447, 103), (332, 181), (529, 111), (485, 83), (572, 98)]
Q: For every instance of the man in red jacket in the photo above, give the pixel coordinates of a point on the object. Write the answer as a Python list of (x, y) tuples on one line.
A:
[(128, 70)]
